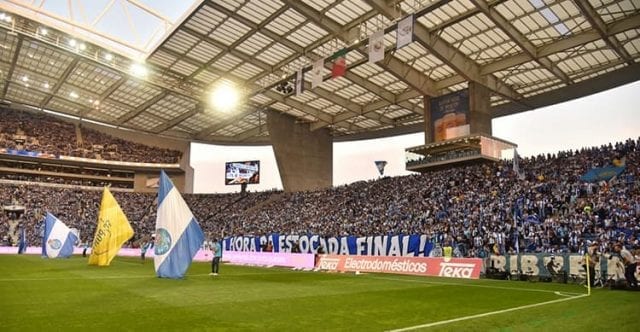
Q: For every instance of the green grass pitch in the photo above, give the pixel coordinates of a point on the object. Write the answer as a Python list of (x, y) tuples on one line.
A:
[(68, 295)]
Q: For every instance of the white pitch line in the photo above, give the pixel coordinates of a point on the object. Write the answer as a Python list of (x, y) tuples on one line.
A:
[(473, 285), (563, 294), (443, 322), (127, 277)]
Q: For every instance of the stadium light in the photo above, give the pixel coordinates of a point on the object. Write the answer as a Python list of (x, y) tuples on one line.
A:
[(5, 17), (44, 31), (108, 56), (138, 70), (73, 95), (73, 42), (224, 97)]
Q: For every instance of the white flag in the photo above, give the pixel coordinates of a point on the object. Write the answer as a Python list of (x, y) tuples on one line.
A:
[(404, 33), (316, 74), (376, 46)]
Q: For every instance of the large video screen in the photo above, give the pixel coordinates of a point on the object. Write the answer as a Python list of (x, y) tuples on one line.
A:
[(239, 172)]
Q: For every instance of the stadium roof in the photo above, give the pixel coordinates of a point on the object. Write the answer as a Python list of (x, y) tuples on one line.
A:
[(529, 53)]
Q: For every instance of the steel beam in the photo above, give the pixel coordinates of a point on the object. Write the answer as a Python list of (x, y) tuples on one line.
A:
[(177, 120), (12, 67), (520, 40), (450, 55), (598, 24), (143, 107), (60, 81)]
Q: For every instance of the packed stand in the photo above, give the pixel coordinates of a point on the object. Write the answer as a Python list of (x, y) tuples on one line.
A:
[(37, 132), (114, 148), (472, 208)]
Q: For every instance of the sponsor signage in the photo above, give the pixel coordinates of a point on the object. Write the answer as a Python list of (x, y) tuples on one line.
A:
[(447, 112), (468, 268), (302, 261)]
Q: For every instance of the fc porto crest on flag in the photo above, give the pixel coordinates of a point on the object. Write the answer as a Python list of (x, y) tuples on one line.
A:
[(163, 241), (58, 240)]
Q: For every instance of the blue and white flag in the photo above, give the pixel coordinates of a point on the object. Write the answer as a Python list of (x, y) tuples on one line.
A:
[(22, 243), (178, 235), (58, 239)]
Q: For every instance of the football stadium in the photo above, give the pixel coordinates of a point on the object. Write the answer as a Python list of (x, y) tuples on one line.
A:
[(319, 165)]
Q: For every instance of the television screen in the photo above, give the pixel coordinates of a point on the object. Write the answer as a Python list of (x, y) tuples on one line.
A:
[(239, 172)]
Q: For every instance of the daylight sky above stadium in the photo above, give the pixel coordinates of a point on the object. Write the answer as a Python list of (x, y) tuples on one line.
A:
[(609, 116)]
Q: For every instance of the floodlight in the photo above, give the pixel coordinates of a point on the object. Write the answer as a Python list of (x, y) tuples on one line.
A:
[(224, 97), (139, 70)]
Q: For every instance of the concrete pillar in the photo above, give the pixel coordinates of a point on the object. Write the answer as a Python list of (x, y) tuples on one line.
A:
[(304, 157), (189, 174), (479, 109), (428, 128)]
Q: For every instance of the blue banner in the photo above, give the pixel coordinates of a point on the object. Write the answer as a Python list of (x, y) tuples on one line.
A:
[(27, 153), (602, 173), (382, 245)]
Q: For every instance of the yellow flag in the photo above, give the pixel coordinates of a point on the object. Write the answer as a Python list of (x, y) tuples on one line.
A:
[(112, 232)]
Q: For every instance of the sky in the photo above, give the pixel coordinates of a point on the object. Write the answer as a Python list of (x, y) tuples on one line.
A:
[(111, 18), (608, 116)]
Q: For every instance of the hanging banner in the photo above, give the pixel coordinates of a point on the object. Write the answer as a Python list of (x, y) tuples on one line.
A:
[(339, 63), (316, 73), (376, 46), (404, 33)]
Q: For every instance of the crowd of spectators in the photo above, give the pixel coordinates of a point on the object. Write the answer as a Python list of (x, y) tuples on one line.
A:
[(79, 208), (59, 179), (15, 170), (114, 148), (479, 209), (38, 132), (35, 132), (46, 166)]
